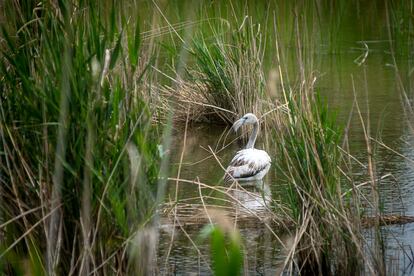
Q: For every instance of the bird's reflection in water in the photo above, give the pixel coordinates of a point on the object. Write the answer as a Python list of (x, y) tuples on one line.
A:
[(252, 197)]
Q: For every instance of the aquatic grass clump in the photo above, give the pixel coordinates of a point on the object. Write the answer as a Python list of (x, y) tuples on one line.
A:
[(309, 165), (227, 79), (308, 162), (79, 155)]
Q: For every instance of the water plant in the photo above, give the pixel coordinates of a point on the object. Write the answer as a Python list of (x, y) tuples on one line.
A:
[(226, 79), (225, 245), (79, 155), (309, 162)]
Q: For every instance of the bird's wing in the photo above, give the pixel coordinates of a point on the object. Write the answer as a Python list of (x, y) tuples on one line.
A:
[(247, 163)]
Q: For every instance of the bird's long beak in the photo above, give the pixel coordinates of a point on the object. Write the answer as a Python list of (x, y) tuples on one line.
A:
[(237, 124)]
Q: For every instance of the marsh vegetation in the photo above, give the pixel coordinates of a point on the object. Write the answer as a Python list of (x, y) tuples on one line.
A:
[(115, 137)]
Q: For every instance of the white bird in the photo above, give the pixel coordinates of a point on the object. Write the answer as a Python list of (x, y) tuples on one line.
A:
[(249, 164)]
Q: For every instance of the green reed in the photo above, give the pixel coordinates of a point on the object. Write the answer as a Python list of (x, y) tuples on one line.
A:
[(80, 157), (308, 163)]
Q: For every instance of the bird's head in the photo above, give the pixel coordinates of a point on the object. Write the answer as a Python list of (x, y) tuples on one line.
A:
[(247, 119)]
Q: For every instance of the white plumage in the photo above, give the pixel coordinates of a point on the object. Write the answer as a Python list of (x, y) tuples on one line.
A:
[(249, 164)]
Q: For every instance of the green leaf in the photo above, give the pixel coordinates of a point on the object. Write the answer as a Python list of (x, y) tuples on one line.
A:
[(151, 62), (134, 43), (218, 252), (116, 51), (235, 258), (112, 22), (226, 252)]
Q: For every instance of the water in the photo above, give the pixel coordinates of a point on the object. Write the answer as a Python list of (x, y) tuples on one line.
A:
[(343, 80), (184, 258)]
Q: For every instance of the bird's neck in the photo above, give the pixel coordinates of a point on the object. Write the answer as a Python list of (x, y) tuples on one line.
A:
[(253, 136)]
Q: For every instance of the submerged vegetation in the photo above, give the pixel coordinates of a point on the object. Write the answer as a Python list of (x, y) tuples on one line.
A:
[(89, 94)]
